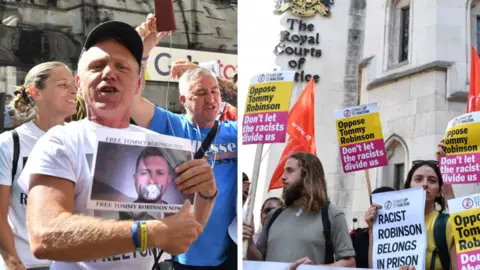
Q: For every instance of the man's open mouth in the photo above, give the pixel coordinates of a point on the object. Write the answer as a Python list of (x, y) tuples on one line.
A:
[(108, 89)]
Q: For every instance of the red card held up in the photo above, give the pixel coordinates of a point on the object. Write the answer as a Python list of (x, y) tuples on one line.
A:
[(165, 15)]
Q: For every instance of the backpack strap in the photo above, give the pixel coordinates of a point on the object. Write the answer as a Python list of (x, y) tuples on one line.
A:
[(440, 237), (207, 142), (16, 153), (327, 233), (275, 215)]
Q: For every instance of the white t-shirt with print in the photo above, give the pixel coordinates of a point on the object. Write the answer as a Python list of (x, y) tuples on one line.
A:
[(67, 152), (28, 134)]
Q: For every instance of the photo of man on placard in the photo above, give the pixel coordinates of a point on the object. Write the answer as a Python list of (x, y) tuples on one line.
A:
[(152, 176), (132, 174)]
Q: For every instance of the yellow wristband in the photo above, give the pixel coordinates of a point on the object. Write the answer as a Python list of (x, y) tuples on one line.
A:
[(143, 245)]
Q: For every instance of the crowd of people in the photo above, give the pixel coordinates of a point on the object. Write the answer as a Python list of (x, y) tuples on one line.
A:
[(45, 173), (51, 124), (306, 228)]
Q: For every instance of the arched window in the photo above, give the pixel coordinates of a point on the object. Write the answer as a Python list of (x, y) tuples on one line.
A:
[(398, 32)]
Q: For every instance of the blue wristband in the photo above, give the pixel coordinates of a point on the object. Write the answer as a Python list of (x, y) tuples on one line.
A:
[(135, 234), (145, 58)]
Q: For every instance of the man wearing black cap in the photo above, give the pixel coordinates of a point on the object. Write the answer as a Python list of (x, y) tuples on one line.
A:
[(58, 175)]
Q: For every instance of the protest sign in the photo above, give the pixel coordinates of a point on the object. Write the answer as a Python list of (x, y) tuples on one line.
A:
[(360, 138), (260, 265), (133, 175), (399, 235), (461, 164), (266, 110), (465, 218), (213, 66)]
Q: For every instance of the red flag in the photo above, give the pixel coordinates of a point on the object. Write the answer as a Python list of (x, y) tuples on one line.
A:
[(301, 128), (229, 113), (473, 101)]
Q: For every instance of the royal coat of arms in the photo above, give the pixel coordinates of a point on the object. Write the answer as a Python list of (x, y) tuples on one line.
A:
[(304, 8)]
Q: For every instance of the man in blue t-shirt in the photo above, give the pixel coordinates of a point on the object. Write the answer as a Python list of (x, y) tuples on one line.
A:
[(200, 95)]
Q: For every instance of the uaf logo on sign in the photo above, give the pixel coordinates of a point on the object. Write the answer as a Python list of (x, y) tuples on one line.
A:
[(161, 58), (464, 203), (467, 203)]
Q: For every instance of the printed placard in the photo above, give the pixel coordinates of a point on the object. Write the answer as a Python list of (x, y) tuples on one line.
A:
[(461, 165), (399, 235), (261, 265), (133, 175), (213, 66), (465, 218), (360, 138), (266, 110)]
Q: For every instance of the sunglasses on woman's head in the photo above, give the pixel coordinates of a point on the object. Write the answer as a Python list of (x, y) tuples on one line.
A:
[(430, 162)]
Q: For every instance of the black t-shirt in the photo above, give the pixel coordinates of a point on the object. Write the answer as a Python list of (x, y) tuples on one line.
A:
[(360, 241)]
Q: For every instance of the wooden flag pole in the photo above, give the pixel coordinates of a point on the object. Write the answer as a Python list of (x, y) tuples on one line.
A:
[(252, 193), (369, 184)]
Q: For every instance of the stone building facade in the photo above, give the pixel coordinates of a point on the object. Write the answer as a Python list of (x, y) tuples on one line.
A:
[(411, 57)]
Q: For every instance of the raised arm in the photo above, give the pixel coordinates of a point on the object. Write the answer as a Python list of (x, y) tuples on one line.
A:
[(57, 234), (142, 110), (370, 217), (196, 176)]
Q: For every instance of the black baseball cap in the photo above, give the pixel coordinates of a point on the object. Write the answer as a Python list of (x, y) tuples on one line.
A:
[(120, 31)]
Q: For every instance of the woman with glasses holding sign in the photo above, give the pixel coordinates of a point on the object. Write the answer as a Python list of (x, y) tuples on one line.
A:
[(441, 252)]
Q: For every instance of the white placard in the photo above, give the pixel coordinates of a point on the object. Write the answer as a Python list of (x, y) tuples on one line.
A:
[(260, 265), (464, 203), (399, 235), (133, 172), (213, 66)]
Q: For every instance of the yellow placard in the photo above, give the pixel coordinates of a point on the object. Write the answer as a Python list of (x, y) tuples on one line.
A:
[(359, 129), (466, 230), (269, 97), (462, 139)]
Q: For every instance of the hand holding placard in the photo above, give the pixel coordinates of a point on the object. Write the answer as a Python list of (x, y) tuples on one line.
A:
[(371, 214), (177, 232)]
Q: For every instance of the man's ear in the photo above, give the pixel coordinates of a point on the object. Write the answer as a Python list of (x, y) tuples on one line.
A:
[(138, 89), (77, 82), (182, 99)]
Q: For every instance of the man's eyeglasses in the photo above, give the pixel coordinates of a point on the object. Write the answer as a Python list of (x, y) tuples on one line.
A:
[(423, 162)]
